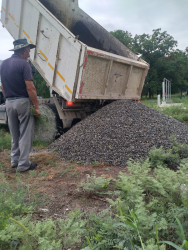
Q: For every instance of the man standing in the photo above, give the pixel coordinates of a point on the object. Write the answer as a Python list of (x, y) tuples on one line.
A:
[(19, 92)]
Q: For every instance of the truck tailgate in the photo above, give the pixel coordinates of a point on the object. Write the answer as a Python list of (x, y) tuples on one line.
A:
[(109, 76)]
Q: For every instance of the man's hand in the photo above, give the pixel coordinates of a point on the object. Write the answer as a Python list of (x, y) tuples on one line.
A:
[(31, 90), (37, 112), (3, 90)]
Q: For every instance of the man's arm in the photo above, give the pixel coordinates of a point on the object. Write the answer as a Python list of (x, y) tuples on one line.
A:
[(3, 91), (31, 90)]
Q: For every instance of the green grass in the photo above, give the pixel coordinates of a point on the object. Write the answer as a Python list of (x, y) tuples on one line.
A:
[(147, 209), (5, 140), (67, 170), (43, 173), (40, 144), (179, 112)]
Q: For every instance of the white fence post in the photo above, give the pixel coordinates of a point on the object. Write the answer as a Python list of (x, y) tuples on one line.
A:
[(158, 100), (163, 88), (166, 91)]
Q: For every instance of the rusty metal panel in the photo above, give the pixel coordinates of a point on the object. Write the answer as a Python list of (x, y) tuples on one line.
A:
[(108, 76), (134, 83), (94, 77), (117, 78)]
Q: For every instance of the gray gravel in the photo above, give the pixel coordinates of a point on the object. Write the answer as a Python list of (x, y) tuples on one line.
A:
[(117, 132)]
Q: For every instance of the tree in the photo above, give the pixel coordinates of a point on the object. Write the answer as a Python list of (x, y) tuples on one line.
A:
[(125, 37), (156, 45), (178, 70), (40, 84), (156, 49)]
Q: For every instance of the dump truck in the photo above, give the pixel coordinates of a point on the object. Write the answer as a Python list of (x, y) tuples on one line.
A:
[(82, 63)]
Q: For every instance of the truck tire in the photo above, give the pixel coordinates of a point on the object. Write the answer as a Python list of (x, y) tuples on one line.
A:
[(48, 126)]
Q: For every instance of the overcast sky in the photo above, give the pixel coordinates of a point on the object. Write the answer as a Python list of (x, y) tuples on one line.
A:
[(135, 16)]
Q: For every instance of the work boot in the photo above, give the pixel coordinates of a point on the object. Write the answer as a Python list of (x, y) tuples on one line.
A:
[(14, 165), (31, 167)]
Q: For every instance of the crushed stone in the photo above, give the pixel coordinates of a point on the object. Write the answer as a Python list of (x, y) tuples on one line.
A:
[(117, 132)]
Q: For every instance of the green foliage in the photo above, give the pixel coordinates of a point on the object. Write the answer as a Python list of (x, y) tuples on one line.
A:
[(5, 140), (43, 173), (72, 229), (183, 238), (180, 149), (143, 207), (42, 235), (178, 112), (157, 44), (15, 201), (38, 143), (106, 232), (147, 209), (40, 84), (33, 173), (95, 184), (159, 50), (67, 170), (160, 157), (18, 231), (125, 37), (171, 157)]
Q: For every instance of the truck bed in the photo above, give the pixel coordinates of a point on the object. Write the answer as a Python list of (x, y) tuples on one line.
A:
[(71, 68)]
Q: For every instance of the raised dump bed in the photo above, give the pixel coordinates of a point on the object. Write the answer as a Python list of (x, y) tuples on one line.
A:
[(74, 70)]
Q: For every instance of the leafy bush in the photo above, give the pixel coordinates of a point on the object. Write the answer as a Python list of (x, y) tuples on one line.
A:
[(160, 157), (42, 235), (180, 149), (106, 232), (148, 209), (144, 210), (41, 86), (17, 200), (14, 202), (170, 157), (96, 184), (19, 231)]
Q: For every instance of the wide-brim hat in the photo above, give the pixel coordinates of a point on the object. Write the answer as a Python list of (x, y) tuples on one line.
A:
[(22, 43)]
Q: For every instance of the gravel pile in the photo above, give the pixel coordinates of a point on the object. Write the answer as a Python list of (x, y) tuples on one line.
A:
[(117, 132)]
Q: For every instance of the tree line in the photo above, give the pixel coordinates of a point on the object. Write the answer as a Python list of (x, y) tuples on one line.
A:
[(166, 61)]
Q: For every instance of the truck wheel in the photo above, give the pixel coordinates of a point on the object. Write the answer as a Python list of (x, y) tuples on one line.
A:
[(48, 126)]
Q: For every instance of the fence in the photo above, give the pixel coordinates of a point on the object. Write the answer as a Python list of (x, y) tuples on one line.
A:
[(166, 91)]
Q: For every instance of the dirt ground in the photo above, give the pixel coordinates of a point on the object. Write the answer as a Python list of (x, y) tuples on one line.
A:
[(58, 181)]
